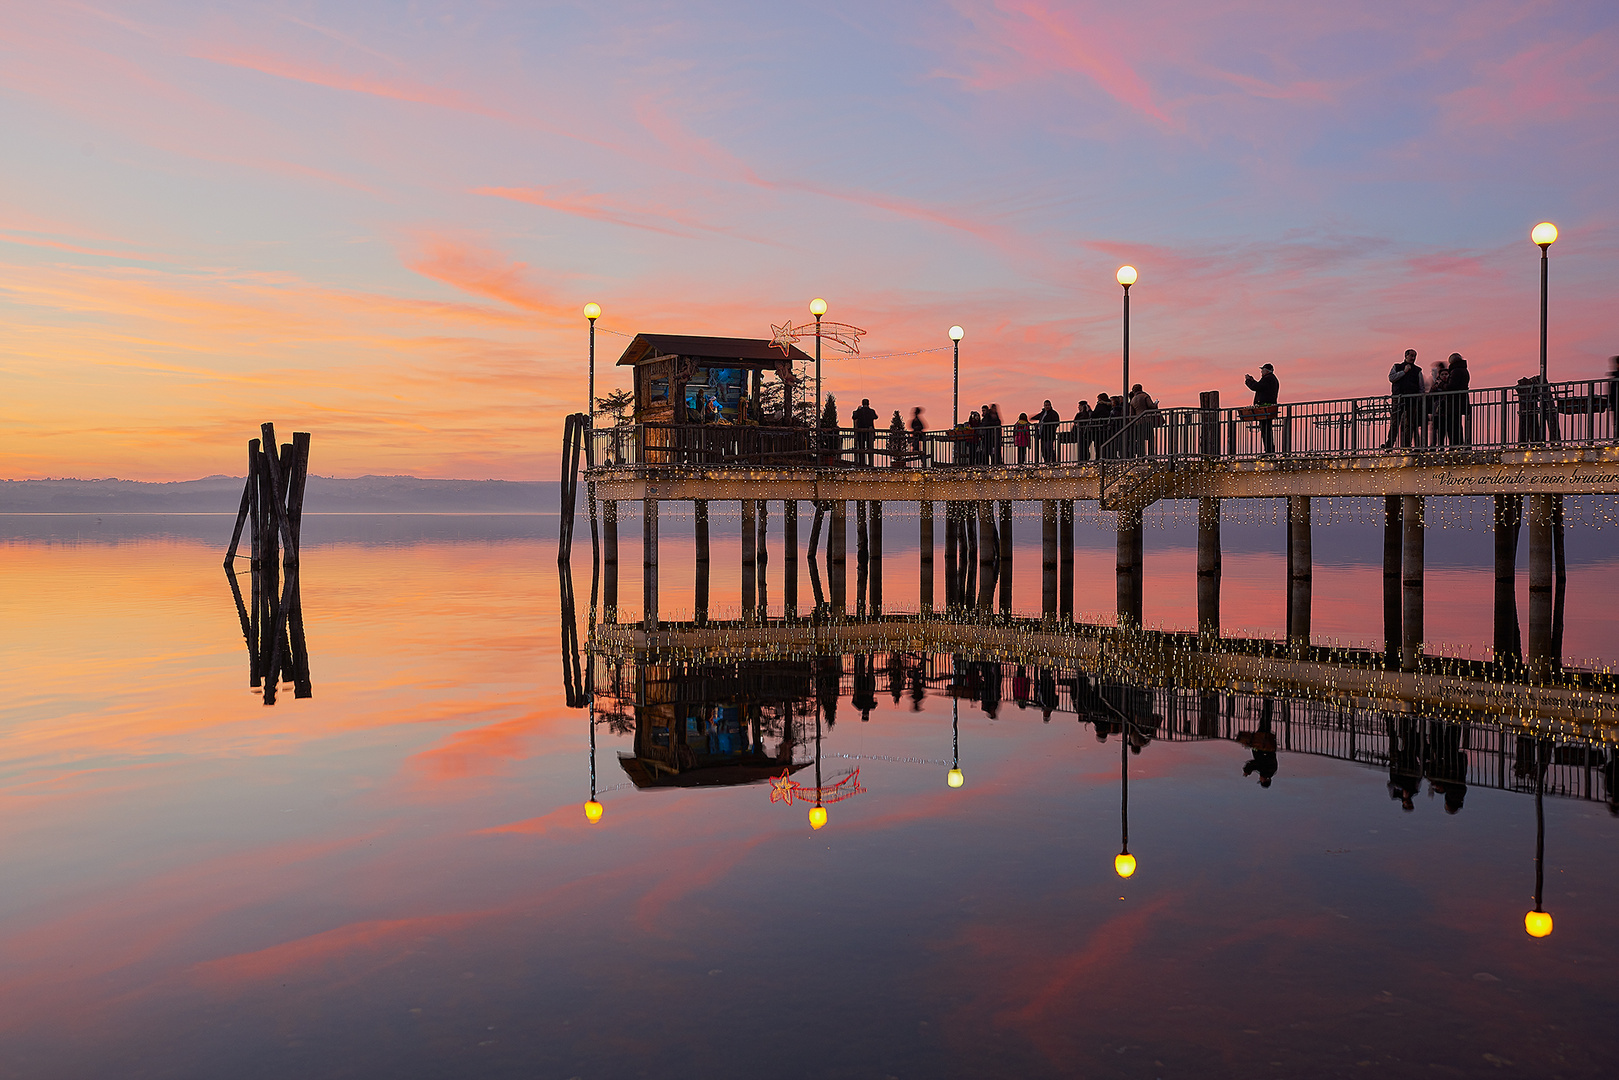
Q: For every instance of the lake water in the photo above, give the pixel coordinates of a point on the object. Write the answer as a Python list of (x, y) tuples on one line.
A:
[(395, 877)]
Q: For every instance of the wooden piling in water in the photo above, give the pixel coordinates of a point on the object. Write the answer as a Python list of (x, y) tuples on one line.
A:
[(1065, 554), (1508, 527), (610, 560), (837, 549), (925, 510), (1209, 562), (1411, 575), (875, 526), (789, 557), (1300, 570), (1393, 546), (1048, 557), (1543, 659), (750, 566), (1127, 567), (649, 563)]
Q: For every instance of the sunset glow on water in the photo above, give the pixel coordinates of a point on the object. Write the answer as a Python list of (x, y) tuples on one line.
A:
[(397, 877)]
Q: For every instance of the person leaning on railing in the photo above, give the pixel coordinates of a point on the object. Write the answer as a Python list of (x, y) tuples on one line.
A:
[(1406, 420)]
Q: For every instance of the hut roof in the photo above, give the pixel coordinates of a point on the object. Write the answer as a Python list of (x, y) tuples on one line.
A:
[(710, 351)]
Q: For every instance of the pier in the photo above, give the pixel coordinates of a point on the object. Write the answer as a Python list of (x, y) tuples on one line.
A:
[(1523, 447)]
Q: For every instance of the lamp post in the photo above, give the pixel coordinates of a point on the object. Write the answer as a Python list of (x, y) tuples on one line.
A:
[(817, 814), (1544, 235), (954, 777), (817, 309), (956, 334), (593, 809), (1538, 922), (1124, 863), (593, 311), (1127, 277)]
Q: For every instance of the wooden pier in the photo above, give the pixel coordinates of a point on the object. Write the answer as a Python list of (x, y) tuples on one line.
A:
[(1512, 444)]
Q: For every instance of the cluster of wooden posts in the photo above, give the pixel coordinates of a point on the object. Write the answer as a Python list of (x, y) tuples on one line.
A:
[(271, 517)]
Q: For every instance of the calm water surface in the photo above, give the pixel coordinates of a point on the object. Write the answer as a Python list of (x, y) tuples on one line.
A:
[(395, 877)]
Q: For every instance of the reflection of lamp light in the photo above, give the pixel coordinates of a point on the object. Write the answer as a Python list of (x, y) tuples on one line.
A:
[(954, 777), (817, 817), (1544, 235), (1537, 922), (593, 811), (817, 309), (593, 311), (956, 334), (1126, 277), (1124, 863)]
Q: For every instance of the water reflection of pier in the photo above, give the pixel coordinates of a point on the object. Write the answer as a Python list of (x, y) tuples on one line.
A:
[(651, 693)]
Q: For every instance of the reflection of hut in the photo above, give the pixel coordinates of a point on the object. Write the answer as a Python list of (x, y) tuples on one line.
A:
[(705, 727), (676, 374)]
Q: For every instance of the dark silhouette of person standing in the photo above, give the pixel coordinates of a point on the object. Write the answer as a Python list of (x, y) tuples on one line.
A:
[(1266, 393), (1047, 419), (1405, 424), (865, 432)]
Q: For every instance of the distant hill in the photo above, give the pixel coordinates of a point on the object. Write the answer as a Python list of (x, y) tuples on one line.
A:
[(325, 495)]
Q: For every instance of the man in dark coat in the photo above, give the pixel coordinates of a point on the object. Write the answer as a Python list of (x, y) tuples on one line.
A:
[(1405, 379), (1047, 419), (865, 432), (1266, 392)]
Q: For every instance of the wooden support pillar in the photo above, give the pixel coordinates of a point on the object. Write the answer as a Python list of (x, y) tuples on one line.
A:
[(1508, 526), (649, 563), (1560, 579), (789, 557), (610, 560), (1127, 567), (761, 557), (1412, 531), (862, 533), (1543, 659), (925, 509), (700, 599), (837, 550), (750, 564), (969, 528), (1005, 538), (989, 541), (1300, 571), (1048, 557), (1393, 512), (952, 555), (1208, 567), (1065, 577), (874, 520)]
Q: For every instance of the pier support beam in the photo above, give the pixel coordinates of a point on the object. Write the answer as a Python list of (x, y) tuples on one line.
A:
[(875, 525), (952, 555), (1065, 555), (1393, 510), (1413, 535), (837, 551), (761, 556), (1005, 537), (1543, 658), (1208, 567), (1508, 526), (1048, 557), (862, 555), (1127, 567), (925, 509), (750, 563), (700, 530), (1300, 571), (789, 557), (610, 561), (649, 563)]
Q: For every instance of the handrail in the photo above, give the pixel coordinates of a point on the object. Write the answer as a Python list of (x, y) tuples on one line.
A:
[(1581, 412)]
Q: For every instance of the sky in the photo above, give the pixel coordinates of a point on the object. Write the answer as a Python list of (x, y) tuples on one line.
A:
[(379, 222)]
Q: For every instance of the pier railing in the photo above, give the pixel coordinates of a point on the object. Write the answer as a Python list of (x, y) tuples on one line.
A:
[(1527, 415)]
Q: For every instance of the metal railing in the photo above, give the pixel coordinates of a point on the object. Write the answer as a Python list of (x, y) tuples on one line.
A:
[(1531, 414)]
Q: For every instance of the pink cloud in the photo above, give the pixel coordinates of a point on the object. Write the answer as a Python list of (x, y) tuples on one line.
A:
[(481, 272), (1549, 82)]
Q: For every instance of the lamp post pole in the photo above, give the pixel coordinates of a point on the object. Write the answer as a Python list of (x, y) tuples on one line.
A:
[(817, 309), (593, 312), (1544, 235), (956, 334), (1126, 277)]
